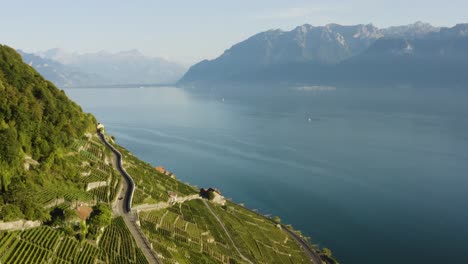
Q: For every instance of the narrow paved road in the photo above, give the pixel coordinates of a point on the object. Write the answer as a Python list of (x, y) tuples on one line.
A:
[(226, 231), (314, 257), (123, 207)]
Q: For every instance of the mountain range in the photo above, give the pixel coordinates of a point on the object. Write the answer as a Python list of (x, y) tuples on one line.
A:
[(59, 73), (334, 54), (102, 68)]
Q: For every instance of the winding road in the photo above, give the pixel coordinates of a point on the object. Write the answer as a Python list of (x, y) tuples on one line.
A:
[(123, 207)]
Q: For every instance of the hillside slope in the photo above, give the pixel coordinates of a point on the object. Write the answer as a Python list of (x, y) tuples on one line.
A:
[(55, 169), (38, 123)]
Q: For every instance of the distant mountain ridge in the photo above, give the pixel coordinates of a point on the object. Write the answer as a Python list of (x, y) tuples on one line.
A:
[(333, 53), (124, 67), (103, 68), (60, 74), (416, 30)]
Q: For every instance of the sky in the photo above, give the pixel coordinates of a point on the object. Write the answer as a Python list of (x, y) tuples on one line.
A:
[(190, 31)]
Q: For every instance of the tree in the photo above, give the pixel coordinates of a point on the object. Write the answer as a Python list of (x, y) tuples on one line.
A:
[(82, 231), (36, 119), (19, 194), (5, 176), (327, 252), (10, 212), (100, 217), (9, 152), (211, 195), (69, 214), (57, 217)]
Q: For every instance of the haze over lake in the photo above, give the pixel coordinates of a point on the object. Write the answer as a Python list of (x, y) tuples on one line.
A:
[(378, 176)]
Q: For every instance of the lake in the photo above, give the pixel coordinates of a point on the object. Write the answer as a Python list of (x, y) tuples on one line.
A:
[(377, 175)]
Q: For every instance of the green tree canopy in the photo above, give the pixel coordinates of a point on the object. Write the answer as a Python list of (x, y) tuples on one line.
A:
[(10, 212), (36, 120), (99, 218)]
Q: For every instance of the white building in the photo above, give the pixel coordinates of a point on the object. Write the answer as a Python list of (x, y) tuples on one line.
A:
[(100, 127)]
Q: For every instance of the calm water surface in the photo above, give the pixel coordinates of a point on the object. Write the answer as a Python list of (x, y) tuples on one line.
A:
[(378, 176)]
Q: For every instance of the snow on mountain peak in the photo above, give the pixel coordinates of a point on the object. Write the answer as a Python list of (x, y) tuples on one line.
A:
[(415, 30), (368, 31)]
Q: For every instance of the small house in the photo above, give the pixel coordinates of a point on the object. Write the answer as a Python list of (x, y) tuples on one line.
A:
[(172, 197), (100, 127), (161, 169), (213, 195)]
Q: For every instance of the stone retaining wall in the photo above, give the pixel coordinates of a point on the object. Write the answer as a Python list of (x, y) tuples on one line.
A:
[(93, 185), (19, 225)]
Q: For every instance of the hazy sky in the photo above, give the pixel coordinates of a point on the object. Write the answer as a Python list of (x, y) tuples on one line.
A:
[(188, 31)]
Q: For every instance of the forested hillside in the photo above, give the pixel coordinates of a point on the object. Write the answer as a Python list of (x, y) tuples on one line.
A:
[(37, 124)]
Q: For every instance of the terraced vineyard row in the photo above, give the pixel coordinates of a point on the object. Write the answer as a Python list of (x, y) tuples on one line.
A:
[(68, 249), (119, 245), (190, 226), (96, 175), (51, 193), (151, 182), (94, 163), (114, 185), (258, 238), (42, 236), (140, 197), (44, 245), (101, 194), (175, 237), (25, 252), (91, 149), (90, 160), (196, 212), (48, 245)]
